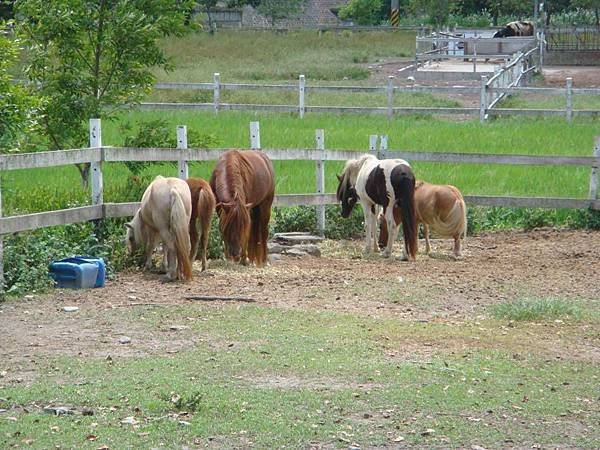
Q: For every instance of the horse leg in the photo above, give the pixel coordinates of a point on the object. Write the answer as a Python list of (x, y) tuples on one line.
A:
[(392, 232), (368, 226), (263, 218), (193, 239), (204, 239), (426, 233), (170, 255), (374, 217), (150, 245), (456, 249)]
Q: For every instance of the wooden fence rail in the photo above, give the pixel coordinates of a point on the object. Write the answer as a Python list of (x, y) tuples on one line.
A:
[(505, 81), (98, 154)]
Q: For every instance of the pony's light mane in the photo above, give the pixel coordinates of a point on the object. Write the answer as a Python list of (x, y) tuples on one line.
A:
[(353, 166)]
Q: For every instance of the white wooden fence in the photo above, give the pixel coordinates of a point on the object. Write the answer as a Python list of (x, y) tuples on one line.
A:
[(97, 154), (495, 88)]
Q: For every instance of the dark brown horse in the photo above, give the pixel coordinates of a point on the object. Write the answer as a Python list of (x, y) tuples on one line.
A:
[(244, 186), (203, 208)]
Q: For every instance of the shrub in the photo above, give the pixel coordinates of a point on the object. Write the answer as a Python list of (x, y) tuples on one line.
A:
[(159, 133), (27, 255)]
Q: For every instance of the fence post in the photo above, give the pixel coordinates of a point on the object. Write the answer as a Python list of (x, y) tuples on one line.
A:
[(569, 94), (182, 164), (301, 89), (255, 135), (593, 194), (383, 146), (96, 167), (390, 96), (483, 99), (320, 136), (217, 91), (475, 57), (373, 144)]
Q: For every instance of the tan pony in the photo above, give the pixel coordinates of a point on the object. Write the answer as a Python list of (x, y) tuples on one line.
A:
[(440, 207), (203, 208), (164, 215)]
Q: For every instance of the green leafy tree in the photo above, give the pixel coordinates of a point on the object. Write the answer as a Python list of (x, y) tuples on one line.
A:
[(91, 58), (365, 12), (275, 10), (438, 11), (591, 5), (19, 107)]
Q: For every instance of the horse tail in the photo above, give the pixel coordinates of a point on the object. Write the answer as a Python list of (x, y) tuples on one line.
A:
[(206, 209), (406, 203), (180, 229), (455, 222)]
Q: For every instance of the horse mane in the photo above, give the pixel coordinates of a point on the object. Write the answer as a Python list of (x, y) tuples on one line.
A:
[(350, 173), (353, 166), (236, 220)]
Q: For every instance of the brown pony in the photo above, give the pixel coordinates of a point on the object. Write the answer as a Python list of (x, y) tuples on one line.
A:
[(440, 206), (203, 207), (244, 186)]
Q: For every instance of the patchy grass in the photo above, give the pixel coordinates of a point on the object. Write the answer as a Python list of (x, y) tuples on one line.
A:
[(550, 101), (263, 377), (531, 309)]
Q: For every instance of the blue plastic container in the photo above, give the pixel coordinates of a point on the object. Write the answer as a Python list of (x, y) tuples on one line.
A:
[(78, 272), (101, 268)]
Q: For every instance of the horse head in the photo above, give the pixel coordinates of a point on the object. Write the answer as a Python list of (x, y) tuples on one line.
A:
[(133, 235), (346, 194)]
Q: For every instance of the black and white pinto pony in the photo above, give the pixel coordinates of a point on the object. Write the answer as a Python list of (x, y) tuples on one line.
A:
[(387, 183), (516, 29)]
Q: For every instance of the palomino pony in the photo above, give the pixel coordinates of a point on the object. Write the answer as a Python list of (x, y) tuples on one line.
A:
[(165, 215), (203, 207), (244, 186), (389, 183), (440, 207)]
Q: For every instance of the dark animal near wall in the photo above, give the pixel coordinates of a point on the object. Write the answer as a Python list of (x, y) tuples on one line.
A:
[(516, 29), (244, 187)]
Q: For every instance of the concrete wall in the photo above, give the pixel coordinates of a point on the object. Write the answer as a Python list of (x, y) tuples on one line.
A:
[(573, 58)]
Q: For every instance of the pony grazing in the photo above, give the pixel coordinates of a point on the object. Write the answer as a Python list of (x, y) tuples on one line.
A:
[(440, 207), (516, 29), (203, 208), (164, 214), (244, 187), (389, 183)]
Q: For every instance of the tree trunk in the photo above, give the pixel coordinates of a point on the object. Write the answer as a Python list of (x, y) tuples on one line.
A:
[(84, 172), (211, 29)]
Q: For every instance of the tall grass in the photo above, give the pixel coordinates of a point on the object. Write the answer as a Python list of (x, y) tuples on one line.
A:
[(261, 55), (45, 189)]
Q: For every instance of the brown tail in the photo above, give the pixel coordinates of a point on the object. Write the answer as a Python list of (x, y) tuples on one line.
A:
[(406, 204), (180, 229), (206, 209)]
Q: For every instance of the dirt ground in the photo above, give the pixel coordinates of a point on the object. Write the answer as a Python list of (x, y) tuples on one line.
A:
[(495, 267)]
